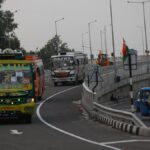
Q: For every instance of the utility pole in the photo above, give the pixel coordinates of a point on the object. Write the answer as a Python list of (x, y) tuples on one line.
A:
[(56, 32), (91, 55), (131, 82), (130, 63), (142, 37), (146, 45), (105, 34), (83, 40), (101, 35), (113, 42), (56, 24)]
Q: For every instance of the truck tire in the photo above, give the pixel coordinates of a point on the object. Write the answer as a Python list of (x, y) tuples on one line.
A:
[(28, 119), (55, 83)]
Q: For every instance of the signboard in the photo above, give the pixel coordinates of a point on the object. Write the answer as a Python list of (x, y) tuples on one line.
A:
[(133, 59)]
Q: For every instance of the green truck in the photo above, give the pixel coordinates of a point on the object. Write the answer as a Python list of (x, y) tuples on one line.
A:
[(17, 90)]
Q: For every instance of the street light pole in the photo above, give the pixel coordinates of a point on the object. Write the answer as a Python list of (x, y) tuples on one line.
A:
[(56, 24), (101, 35), (105, 34), (113, 42), (83, 40), (56, 32), (146, 45), (91, 55), (141, 29), (105, 39)]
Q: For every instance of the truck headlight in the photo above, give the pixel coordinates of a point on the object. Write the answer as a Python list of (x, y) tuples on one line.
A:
[(30, 100), (72, 72)]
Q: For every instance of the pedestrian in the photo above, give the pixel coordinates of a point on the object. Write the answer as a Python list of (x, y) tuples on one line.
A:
[(113, 98)]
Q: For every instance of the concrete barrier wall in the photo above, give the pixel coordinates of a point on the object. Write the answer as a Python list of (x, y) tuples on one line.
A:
[(108, 86), (120, 89), (141, 78)]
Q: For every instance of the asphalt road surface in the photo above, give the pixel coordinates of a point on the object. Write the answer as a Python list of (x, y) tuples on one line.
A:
[(59, 124)]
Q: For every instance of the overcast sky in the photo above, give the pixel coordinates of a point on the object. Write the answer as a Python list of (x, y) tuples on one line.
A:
[(36, 19)]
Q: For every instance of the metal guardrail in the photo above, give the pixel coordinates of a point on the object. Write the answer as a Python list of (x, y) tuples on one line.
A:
[(118, 115), (110, 113), (126, 121), (97, 76)]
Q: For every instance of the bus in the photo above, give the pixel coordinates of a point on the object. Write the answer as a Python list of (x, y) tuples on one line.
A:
[(68, 67), (17, 89), (39, 75)]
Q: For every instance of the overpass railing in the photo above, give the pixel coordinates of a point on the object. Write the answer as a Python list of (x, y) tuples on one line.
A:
[(122, 116), (99, 83)]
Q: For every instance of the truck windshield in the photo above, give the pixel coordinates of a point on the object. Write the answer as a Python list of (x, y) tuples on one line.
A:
[(63, 62), (15, 77)]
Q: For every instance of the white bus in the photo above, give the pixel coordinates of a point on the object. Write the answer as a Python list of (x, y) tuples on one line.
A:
[(68, 67)]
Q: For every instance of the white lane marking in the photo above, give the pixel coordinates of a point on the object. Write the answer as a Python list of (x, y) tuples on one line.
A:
[(120, 142), (104, 144), (58, 129), (15, 132), (125, 141), (111, 147)]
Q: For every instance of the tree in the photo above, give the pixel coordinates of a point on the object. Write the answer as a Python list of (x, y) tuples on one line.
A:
[(52, 47), (14, 42), (1, 1), (7, 27)]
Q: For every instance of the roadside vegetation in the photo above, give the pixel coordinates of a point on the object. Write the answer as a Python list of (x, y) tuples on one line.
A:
[(8, 39), (52, 47)]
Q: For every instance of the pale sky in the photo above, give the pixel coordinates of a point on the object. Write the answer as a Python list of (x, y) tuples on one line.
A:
[(36, 19)]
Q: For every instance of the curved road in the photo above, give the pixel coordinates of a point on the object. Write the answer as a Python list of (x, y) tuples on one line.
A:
[(58, 124)]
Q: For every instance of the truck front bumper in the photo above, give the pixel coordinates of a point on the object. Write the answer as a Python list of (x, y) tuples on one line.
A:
[(13, 111), (66, 79)]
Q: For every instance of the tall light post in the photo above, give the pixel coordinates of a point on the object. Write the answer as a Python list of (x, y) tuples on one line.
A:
[(146, 45), (105, 34), (56, 24), (141, 30), (56, 32), (91, 55), (9, 41), (113, 41), (83, 40), (101, 36)]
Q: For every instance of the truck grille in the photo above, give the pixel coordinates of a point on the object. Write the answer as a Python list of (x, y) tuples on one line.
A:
[(11, 101), (62, 74)]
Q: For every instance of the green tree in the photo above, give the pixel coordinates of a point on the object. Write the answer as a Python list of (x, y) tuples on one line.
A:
[(7, 27), (1, 1), (52, 47)]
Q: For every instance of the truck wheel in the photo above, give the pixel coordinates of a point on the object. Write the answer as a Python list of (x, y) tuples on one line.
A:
[(55, 83), (76, 81), (28, 118), (39, 98), (137, 109)]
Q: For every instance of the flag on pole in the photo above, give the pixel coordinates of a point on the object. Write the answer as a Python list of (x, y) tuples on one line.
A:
[(125, 50)]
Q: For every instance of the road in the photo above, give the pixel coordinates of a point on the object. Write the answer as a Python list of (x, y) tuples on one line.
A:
[(58, 124)]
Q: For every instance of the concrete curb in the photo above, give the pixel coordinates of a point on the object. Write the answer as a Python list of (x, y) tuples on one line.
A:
[(132, 129)]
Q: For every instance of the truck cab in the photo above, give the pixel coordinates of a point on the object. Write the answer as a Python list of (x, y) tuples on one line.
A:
[(17, 90)]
